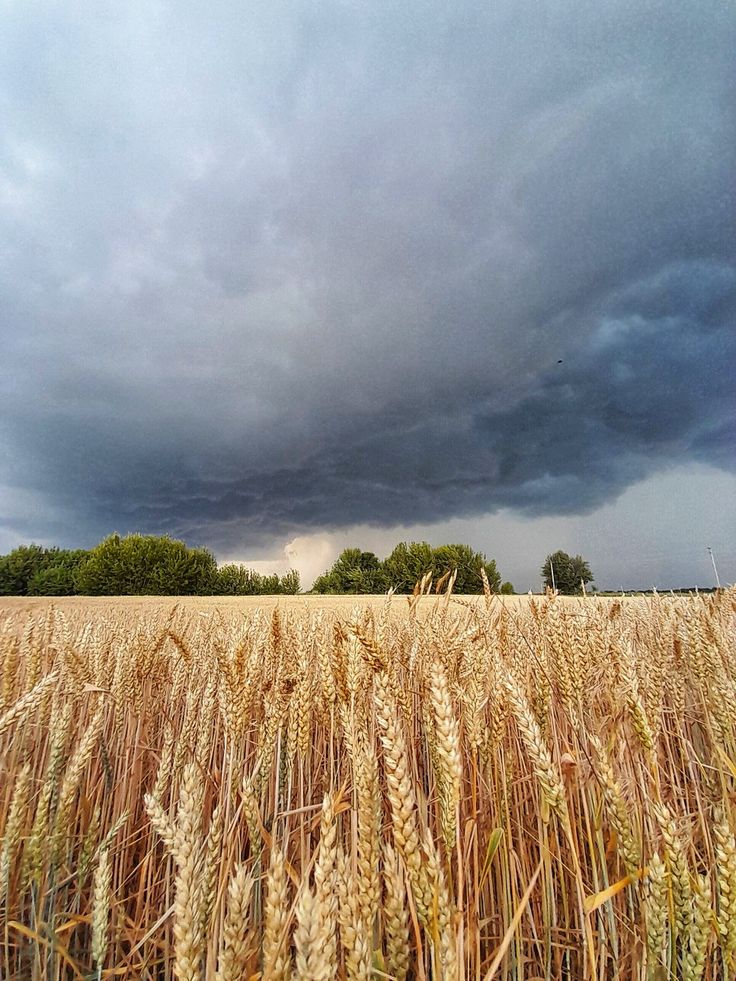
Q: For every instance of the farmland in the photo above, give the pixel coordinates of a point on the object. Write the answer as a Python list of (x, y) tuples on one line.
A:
[(351, 787)]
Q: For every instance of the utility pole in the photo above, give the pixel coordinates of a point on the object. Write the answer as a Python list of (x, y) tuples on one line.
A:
[(710, 552), (552, 570)]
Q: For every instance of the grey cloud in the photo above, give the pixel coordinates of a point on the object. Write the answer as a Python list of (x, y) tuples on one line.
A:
[(290, 267)]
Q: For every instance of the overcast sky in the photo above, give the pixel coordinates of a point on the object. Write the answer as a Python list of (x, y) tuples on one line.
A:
[(279, 277)]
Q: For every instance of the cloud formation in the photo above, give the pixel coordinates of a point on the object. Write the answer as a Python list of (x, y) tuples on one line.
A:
[(272, 269)]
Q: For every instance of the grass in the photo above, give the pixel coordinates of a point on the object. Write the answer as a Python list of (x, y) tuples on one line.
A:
[(433, 788)]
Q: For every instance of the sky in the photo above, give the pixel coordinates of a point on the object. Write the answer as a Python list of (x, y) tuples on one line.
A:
[(281, 277)]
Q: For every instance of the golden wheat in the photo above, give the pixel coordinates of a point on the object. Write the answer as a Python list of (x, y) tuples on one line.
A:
[(427, 789)]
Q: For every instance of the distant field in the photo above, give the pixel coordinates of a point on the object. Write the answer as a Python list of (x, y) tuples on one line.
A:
[(325, 787), (337, 604)]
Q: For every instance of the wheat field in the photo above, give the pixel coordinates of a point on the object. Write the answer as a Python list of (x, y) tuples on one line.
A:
[(425, 788)]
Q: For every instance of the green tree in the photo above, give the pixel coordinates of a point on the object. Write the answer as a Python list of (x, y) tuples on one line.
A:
[(237, 580), (140, 565), (354, 571), (18, 567), (406, 565), (361, 572), (448, 558), (507, 589), (566, 572), (290, 583), (270, 585), (54, 581), (26, 571), (232, 579)]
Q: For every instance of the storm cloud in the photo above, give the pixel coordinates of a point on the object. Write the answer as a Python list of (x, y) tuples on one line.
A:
[(279, 267)]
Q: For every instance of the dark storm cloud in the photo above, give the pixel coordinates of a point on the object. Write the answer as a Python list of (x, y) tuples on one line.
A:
[(268, 269)]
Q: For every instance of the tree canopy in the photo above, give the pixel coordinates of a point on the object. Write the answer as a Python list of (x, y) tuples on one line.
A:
[(356, 571), (34, 570), (566, 572), (132, 565), (238, 580), (447, 558), (146, 565), (407, 564)]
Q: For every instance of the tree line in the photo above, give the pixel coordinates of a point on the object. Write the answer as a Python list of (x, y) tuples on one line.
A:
[(356, 571), (134, 565), (151, 565), (566, 574)]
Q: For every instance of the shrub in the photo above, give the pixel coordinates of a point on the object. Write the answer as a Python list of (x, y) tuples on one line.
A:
[(146, 565)]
